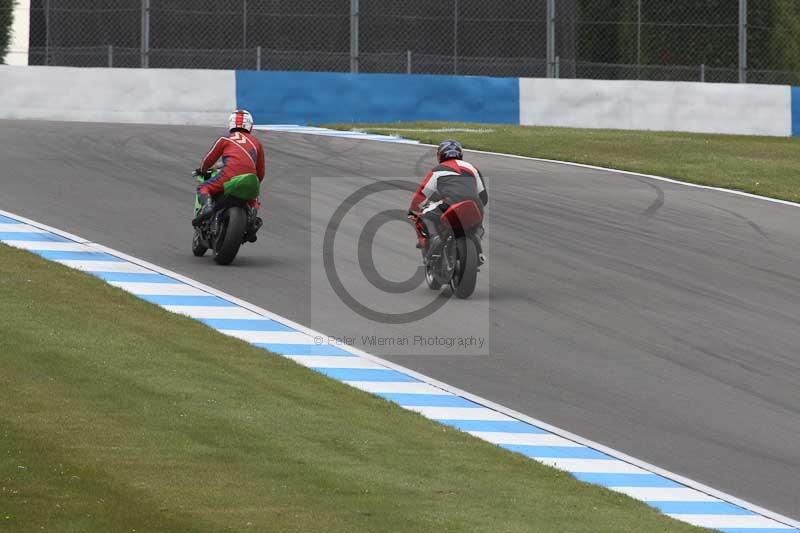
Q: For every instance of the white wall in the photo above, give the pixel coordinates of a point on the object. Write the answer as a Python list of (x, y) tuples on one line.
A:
[(204, 97), (20, 30), (149, 96), (660, 106)]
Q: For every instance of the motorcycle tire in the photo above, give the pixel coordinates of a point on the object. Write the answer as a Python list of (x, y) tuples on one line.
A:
[(430, 279), (229, 238), (465, 276), (199, 249)]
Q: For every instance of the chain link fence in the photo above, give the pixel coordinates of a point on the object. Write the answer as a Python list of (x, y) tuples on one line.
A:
[(756, 41)]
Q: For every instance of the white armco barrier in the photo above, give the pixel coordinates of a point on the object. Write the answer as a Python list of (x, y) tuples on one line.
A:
[(205, 97), (149, 96), (659, 106)]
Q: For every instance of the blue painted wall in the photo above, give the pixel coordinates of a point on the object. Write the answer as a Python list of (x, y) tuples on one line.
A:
[(796, 111), (325, 97)]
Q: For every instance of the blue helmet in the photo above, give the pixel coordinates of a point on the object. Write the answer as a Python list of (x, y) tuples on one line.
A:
[(449, 149)]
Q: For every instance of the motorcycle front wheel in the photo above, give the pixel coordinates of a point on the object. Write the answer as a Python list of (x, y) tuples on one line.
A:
[(199, 247), (430, 278)]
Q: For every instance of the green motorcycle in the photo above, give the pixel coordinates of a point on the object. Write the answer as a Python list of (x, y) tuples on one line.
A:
[(232, 223)]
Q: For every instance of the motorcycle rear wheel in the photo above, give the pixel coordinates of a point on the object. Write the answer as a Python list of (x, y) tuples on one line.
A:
[(229, 238), (465, 276)]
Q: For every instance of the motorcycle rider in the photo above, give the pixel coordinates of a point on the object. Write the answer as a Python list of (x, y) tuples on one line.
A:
[(241, 171), (451, 181)]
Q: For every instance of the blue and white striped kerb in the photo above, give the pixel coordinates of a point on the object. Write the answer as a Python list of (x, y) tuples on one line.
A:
[(677, 497)]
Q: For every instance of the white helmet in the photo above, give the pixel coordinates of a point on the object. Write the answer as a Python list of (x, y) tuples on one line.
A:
[(242, 119)]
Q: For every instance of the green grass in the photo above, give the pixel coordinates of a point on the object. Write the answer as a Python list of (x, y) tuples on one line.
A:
[(118, 416), (768, 166)]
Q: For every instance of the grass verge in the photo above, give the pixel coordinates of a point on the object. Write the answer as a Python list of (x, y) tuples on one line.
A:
[(768, 166), (118, 416)]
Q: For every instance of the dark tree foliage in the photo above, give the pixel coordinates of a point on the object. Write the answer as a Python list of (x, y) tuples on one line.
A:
[(6, 14), (774, 32), (689, 32), (603, 39)]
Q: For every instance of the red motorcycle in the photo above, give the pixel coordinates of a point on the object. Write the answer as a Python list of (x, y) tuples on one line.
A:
[(454, 257)]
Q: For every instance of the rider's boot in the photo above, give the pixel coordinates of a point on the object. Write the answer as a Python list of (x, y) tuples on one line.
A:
[(206, 209), (251, 233)]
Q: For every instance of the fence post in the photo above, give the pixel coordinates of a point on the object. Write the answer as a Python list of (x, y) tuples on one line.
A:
[(702, 72), (110, 56), (455, 37), (551, 37), (558, 68), (742, 41), (244, 34), (258, 57), (638, 39), (408, 61), (145, 46), (354, 16), (46, 32)]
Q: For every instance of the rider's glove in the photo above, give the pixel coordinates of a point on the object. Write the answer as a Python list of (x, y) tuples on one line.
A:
[(412, 216), (199, 172)]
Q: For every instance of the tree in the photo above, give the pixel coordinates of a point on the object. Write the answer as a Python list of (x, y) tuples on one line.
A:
[(774, 40), (6, 16), (687, 33)]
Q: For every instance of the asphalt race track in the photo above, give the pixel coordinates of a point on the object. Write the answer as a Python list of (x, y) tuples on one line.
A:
[(655, 318)]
